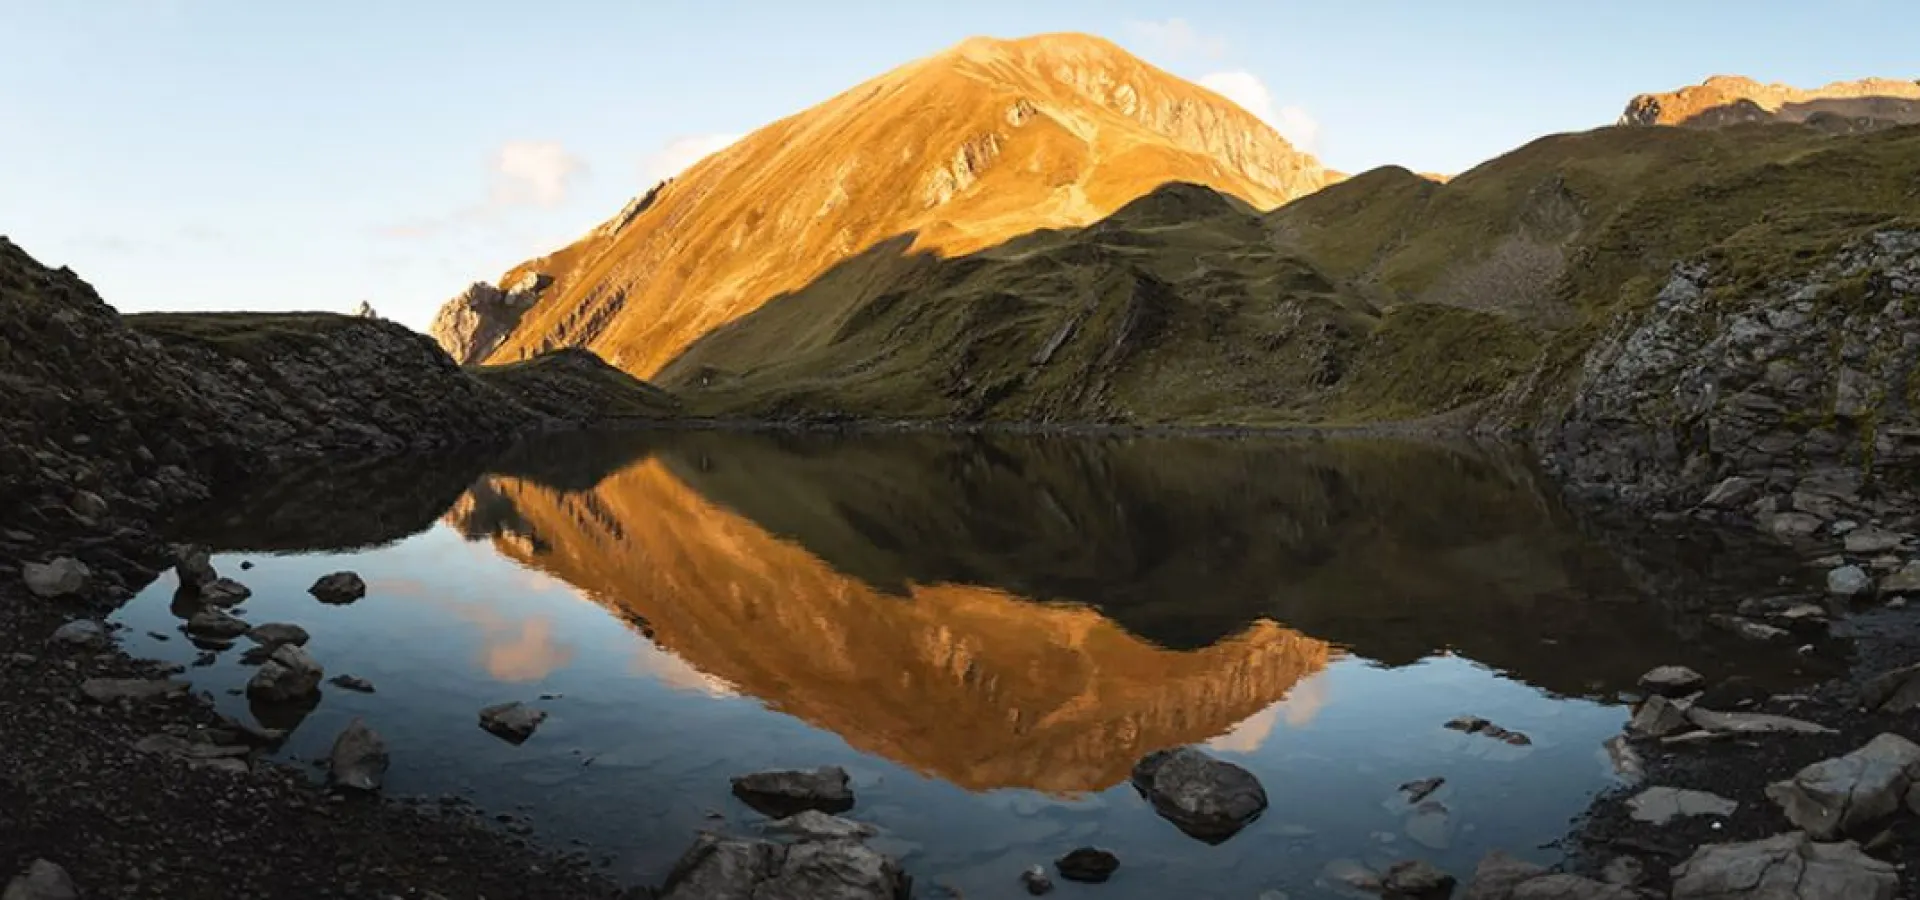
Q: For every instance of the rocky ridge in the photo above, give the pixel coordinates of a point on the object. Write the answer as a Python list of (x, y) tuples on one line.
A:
[(1724, 100)]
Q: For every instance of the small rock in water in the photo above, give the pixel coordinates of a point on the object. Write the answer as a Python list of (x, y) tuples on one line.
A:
[(1849, 581), (43, 880), (338, 588), (1672, 681), (1479, 726), (350, 683), (273, 634), (1752, 723), (1089, 865), (224, 592), (62, 577), (245, 565), (290, 675), (1417, 791), (788, 792), (814, 825), (194, 566), (83, 634), (205, 658), (359, 759), (213, 623), (513, 721), (1035, 880), (1417, 879), (1660, 805), (1207, 798)]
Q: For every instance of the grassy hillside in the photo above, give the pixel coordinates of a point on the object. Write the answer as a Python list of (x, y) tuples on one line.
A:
[(1386, 296)]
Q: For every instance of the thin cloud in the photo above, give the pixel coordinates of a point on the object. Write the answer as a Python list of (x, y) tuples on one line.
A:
[(1247, 90), (1177, 38), (533, 173), (680, 153)]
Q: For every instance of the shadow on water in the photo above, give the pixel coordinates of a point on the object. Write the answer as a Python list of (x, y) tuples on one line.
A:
[(989, 613)]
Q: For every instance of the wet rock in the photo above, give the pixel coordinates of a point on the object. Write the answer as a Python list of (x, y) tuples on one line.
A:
[(224, 592), (351, 683), (1088, 865), (814, 825), (1658, 716), (1497, 876), (1416, 879), (1732, 493), (217, 624), (1870, 540), (1416, 791), (1904, 581), (1751, 723), (1849, 581), (1625, 761), (109, 690), (81, 634), (1747, 628), (716, 868), (1847, 793), (43, 880), (289, 675), (62, 577), (1788, 867), (1204, 797), (194, 567), (514, 721), (788, 792), (1660, 805), (273, 634), (1672, 681), (338, 588), (1479, 726), (1892, 692), (359, 758), (1035, 880)]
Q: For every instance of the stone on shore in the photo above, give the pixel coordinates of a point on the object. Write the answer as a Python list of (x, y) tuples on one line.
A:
[(765, 870), (194, 567), (514, 721), (110, 690), (43, 880), (1087, 865), (1903, 581), (338, 588), (1658, 716), (289, 675), (1751, 723), (62, 577), (1672, 681), (1847, 793), (1498, 874), (788, 792), (1784, 867), (81, 634), (1849, 581), (1872, 540), (1892, 692), (1204, 797), (359, 758), (1660, 805)]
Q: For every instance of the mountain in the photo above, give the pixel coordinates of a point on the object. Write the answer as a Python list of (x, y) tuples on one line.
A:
[(1732, 100), (949, 155)]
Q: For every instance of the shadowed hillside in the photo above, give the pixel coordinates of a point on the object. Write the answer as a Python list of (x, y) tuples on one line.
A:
[(963, 149)]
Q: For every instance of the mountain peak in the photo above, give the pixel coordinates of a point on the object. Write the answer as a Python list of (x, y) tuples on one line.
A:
[(957, 152)]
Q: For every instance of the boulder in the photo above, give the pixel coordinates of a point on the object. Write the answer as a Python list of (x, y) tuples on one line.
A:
[(1204, 797), (513, 721), (1035, 880), (42, 881), (273, 634), (224, 592), (814, 825), (1660, 805), (1784, 867), (62, 577), (1892, 692), (81, 634), (1658, 716), (289, 675), (338, 588), (1849, 581), (787, 792), (1847, 793), (194, 567), (109, 690), (1672, 681), (1416, 879), (216, 624), (716, 868), (359, 758), (1088, 865)]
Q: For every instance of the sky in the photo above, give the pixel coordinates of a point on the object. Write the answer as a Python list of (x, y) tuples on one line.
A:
[(235, 154)]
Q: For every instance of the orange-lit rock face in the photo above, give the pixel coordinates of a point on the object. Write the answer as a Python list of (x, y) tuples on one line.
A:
[(1732, 100), (966, 149), (968, 684)]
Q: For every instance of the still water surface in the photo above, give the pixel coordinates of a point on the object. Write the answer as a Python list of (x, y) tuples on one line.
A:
[(987, 631)]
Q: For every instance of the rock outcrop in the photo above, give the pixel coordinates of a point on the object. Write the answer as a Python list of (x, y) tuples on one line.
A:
[(470, 326), (1788, 867), (1723, 100)]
